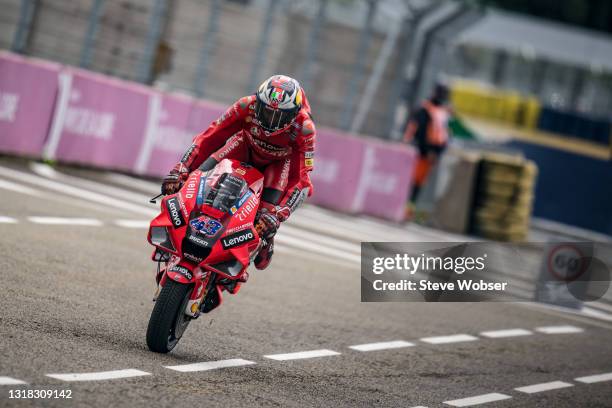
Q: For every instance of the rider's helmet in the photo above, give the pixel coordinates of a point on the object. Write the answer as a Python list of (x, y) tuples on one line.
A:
[(279, 99)]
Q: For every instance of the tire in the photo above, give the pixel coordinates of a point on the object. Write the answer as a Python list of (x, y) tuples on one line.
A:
[(168, 321)]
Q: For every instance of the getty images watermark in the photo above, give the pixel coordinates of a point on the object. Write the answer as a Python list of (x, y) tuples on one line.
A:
[(564, 273)]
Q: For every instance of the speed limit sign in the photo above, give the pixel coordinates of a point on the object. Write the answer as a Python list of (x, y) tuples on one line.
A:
[(563, 271), (566, 262)]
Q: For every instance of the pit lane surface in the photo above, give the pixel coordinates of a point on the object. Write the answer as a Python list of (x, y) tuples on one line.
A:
[(76, 298)]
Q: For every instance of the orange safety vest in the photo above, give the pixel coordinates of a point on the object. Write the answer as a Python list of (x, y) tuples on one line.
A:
[(437, 129)]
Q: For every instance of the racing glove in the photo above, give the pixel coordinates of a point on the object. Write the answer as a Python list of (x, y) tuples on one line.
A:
[(267, 221), (175, 179)]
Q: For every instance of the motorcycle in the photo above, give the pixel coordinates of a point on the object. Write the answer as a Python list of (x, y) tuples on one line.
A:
[(204, 240)]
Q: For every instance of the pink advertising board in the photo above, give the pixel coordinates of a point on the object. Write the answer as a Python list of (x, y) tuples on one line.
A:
[(177, 120), (77, 116), (98, 120), (28, 88), (361, 175), (336, 169), (386, 175)]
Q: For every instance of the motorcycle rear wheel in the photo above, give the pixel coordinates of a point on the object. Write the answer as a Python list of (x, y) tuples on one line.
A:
[(168, 320)]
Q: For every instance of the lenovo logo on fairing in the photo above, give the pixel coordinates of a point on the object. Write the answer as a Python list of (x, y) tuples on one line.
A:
[(237, 239), (182, 270), (175, 213)]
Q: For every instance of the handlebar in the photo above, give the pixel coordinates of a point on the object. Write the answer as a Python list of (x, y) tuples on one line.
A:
[(154, 199)]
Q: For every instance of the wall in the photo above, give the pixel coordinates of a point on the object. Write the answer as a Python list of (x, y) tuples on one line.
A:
[(571, 189)]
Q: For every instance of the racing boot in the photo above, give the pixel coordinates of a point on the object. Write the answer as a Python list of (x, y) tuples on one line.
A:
[(264, 257)]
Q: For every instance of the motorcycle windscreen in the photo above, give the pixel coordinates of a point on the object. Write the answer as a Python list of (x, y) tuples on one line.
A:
[(222, 190), (216, 200)]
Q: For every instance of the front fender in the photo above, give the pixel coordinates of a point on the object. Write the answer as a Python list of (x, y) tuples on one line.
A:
[(181, 274)]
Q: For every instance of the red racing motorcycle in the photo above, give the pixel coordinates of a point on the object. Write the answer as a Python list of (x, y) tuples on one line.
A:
[(204, 240)]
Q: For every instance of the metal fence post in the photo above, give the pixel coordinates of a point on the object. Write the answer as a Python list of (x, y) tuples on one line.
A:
[(365, 38), (24, 26), (415, 85), (155, 30), (262, 46), (90, 36), (436, 57), (313, 44), (411, 25), (377, 72), (209, 41)]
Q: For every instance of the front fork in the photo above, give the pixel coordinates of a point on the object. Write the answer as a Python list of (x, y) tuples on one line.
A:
[(202, 288)]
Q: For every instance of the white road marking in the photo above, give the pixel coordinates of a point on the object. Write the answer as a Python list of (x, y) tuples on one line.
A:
[(495, 334), (340, 244), (478, 399), (10, 381), (382, 345), (77, 192), (93, 186), (7, 220), (588, 311), (133, 223), (559, 329), (600, 305), (296, 252), (291, 241), (210, 365), (102, 375), (131, 182), (553, 385), (91, 222), (595, 378), (302, 354), (9, 185), (455, 338)]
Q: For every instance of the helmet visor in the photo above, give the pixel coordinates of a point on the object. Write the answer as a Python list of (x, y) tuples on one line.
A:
[(273, 119)]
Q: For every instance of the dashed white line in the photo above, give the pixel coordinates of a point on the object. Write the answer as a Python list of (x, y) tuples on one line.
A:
[(210, 365), (102, 375), (559, 329), (595, 378), (455, 338), (478, 399), (495, 334), (91, 222), (553, 385), (302, 355), (382, 345), (10, 381), (7, 220), (132, 223)]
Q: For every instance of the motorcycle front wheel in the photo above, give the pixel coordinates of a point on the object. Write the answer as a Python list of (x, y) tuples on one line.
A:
[(168, 320)]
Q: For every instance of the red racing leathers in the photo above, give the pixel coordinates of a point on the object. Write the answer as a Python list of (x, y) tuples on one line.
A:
[(285, 157)]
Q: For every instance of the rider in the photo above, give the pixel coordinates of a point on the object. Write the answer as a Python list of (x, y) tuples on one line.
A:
[(272, 130)]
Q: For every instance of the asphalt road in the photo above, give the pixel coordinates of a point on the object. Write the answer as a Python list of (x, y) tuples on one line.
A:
[(77, 298)]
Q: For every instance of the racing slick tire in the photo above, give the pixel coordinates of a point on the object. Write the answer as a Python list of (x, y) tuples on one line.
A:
[(168, 320)]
